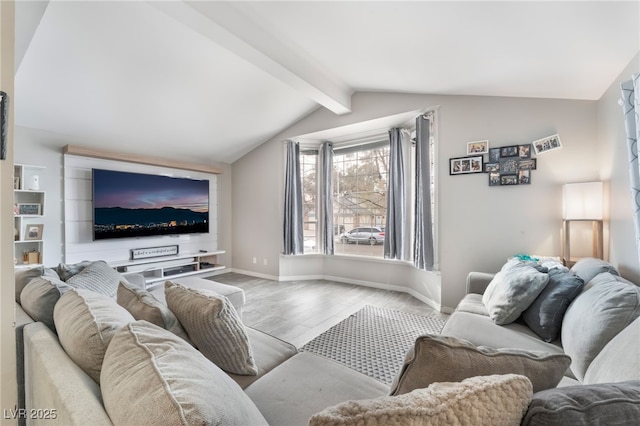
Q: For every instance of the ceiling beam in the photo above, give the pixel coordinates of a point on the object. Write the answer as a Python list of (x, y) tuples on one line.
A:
[(229, 26)]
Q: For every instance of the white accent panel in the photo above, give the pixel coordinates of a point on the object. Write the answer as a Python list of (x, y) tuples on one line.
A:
[(78, 213)]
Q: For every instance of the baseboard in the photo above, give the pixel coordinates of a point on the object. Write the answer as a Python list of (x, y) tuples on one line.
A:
[(254, 274)]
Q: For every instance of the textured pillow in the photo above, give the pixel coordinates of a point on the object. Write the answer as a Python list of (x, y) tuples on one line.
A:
[(619, 360), (595, 317), (24, 275), (436, 358), (588, 267), (98, 277), (608, 404), (213, 326), (511, 291), (39, 297), (488, 400), (144, 306), (545, 314), (67, 270), (150, 376), (86, 322)]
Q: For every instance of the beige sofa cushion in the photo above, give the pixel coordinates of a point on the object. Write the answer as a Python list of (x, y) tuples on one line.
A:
[(144, 306), (24, 275), (436, 358), (488, 400), (39, 297), (619, 360), (213, 326), (86, 322), (150, 376)]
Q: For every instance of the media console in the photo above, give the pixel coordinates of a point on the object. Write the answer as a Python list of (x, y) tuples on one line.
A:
[(156, 270)]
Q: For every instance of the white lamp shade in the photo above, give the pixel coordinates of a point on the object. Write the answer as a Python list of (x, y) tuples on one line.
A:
[(582, 201)]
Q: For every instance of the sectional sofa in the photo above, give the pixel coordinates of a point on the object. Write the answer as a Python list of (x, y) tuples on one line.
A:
[(150, 372)]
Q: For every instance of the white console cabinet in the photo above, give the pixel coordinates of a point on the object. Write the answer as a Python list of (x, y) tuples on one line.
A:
[(158, 269)]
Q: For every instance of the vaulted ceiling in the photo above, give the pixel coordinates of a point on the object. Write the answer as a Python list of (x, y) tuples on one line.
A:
[(209, 81)]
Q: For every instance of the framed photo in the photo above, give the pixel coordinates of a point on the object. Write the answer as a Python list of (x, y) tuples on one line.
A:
[(530, 164), (508, 179), (494, 155), (466, 165), (509, 151), (494, 179), (524, 177), (524, 151), (547, 144), (16, 182), (33, 232), (477, 147), (29, 209), (491, 167)]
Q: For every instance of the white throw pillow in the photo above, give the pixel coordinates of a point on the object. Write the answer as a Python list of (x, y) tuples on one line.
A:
[(483, 400)]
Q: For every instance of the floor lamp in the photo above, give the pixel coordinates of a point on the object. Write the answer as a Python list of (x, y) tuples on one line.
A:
[(582, 202)]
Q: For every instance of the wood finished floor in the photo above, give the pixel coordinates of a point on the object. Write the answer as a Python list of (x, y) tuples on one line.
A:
[(298, 311)]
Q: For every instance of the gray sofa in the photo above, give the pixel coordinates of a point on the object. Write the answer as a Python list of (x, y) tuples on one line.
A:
[(292, 386)]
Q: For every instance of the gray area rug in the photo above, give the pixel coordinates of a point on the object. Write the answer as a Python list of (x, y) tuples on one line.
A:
[(374, 340)]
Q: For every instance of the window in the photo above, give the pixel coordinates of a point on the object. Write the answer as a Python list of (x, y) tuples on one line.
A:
[(360, 199), (308, 175)]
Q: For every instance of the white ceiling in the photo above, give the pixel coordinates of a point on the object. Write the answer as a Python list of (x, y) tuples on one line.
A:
[(209, 81)]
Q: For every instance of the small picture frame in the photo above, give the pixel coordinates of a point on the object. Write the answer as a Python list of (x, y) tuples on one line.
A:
[(477, 147), (494, 178), (508, 179), (509, 151), (16, 182), (29, 209), (33, 231), (494, 155), (524, 177), (466, 165), (547, 144), (530, 164), (524, 151), (491, 167)]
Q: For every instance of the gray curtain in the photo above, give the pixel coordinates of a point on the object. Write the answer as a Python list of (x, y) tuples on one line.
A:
[(393, 237), (325, 219), (293, 238), (631, 107), (423, 250)]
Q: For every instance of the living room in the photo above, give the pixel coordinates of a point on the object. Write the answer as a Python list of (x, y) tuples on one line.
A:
[(478, 226)]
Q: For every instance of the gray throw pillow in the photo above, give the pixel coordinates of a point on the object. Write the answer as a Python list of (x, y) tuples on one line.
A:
[(611, 404), (545, 314), (213, 325), (511, 291), (588, 267), (436, 358), (98, 277), (598, 314), (86, 321), (485, 400), (67, 270), (24, 275), (144, 306), (39, 297), (152, 377)]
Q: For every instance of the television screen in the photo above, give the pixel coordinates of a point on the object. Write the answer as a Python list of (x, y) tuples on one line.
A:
[(129, 205)]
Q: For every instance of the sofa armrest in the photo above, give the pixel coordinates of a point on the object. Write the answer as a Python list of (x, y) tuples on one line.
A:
[(477, 282)]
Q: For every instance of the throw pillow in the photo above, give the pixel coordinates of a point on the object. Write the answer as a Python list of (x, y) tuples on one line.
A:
[(595, 317), (67, 270), (39, 297), (98, 277), (588, 267), (213, 326), (545, 314), (513, 290), (603, 404), (151, 376), (436, 358), (86, 322), (489, 400), (144, 306), (24, 275)]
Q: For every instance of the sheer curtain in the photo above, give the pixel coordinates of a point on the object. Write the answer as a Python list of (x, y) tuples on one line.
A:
[(631, 107), (393, 241), (293, 238), (423, 250), (325, 219)]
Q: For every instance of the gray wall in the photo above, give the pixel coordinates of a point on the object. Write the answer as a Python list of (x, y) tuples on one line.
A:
[(480, 226)]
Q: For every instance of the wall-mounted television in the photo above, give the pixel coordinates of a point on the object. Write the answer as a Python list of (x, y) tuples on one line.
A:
[(129, 205)]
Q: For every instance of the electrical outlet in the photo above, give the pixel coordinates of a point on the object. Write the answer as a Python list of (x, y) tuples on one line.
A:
[(264, 261), (255, 259)]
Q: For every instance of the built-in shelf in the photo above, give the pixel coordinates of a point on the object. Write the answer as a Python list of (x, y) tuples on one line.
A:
[(28, 220), (156, 270)]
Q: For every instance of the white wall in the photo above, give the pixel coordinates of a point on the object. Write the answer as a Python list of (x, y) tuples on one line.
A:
[(614, 168), (45, 149), (480, 226)]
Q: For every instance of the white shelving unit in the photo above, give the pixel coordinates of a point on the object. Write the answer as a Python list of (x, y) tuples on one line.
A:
[(29, 202), (158, 269)]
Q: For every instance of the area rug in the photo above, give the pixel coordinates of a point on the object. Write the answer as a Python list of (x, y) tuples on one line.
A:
[(374, 340)]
